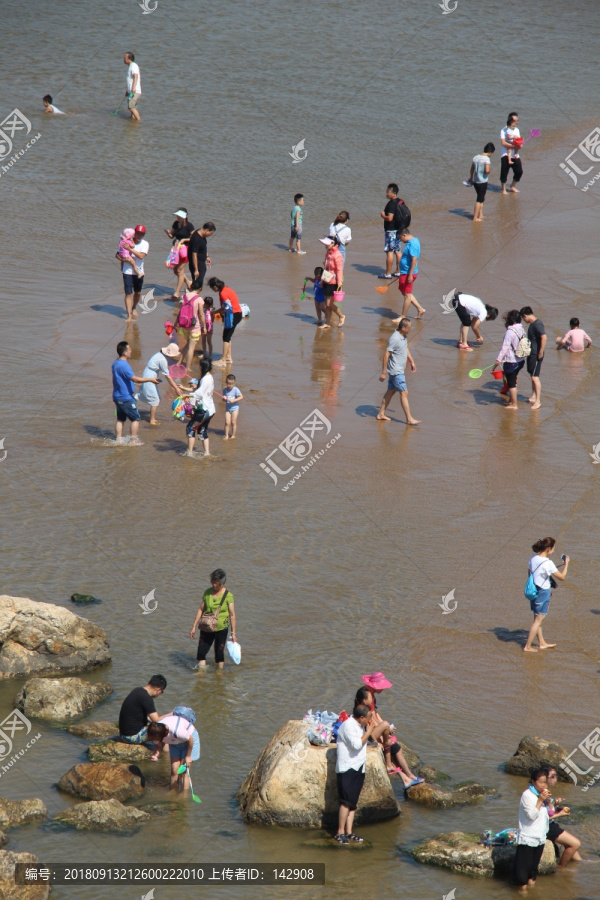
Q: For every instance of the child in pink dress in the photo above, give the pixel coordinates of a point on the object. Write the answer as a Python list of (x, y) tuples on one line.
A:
[(207, 336), (126, 245), (574, 339)]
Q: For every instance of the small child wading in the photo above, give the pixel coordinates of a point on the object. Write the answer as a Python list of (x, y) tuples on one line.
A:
[(231, 397), (296, 230)]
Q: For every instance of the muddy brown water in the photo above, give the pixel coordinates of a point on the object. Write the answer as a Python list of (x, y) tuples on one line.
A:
[(344, 572)]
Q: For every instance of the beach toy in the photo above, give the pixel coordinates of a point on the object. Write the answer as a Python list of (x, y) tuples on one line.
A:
[(477, 373), (183, 253), (535, 132), (498, 374), (338, 296), (384, 288), (178, 371), (518, 142), (303, 294), (180, 771)]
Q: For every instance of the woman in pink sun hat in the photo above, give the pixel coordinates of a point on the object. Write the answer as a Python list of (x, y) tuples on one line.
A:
[(395, 761)]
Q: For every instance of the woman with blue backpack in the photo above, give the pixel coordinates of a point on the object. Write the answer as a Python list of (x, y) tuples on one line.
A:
[(538, 589), (178, 732)]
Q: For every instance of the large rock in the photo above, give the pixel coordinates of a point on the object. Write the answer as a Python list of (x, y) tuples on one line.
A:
[(436, 797), (38, 638), (533, 752), (103, 815), (59, 699), (118, 751), (20, 812), (294, 783), (11, 891), (3, 839), (103, 781), (462, 853), (94, 730)]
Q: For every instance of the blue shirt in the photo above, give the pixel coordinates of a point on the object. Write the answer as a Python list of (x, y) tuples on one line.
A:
[(122, 373), (412, 249), (231, 395), (297, 209), (319, 295)]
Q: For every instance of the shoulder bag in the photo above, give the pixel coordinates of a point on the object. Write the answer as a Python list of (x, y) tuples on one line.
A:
[(208, 621)]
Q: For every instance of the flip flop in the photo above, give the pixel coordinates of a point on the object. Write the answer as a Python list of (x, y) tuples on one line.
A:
[(394, 771), (413, 782)]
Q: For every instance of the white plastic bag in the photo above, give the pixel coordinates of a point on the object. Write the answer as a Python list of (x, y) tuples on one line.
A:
[(235, 652)]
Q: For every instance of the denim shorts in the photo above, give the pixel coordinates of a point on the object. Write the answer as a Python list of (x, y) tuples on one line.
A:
[(541, 603), (132, 283), (396, 383), (127, 409), (392, 241), (296, 233)]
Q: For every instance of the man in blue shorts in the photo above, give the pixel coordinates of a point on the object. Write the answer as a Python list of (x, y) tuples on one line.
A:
[(394, 363), (123, 378), (133, 283)]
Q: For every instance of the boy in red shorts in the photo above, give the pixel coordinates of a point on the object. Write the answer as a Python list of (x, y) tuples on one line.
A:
[(409, 269)]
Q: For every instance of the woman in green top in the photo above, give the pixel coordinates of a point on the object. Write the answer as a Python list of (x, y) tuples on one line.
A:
[(211, 599)]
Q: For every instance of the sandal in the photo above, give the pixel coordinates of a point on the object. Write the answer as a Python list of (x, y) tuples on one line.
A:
[(340, 838), (394, 771), (413, 782), (354, 838)]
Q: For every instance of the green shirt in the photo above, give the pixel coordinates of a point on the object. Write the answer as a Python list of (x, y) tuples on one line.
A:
[(297, 209), (211, 603)]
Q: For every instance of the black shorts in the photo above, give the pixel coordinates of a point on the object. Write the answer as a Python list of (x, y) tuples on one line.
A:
[(198, 424), (554, 831), (480, 190), (463, 314), (349, 785), (511, 371), (228, 332), (207, 638), (517, 167), (328, 289), (534, 366)]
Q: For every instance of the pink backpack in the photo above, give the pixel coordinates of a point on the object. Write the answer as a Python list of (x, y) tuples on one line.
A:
[(185, 317)]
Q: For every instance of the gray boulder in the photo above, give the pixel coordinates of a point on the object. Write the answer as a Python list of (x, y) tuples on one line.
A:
[(21, 812), (463, 854), (39, 638), (436, 797), (59, 699), (535, 751), (294, 783), (118, 751), (94, 730), (103, 815)]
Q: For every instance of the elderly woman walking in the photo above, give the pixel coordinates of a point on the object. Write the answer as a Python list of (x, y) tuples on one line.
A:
[(213, 617), (157, 365), (331, 279), (509, 357)]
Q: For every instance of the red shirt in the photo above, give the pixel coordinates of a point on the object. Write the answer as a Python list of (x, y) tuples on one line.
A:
[(229, 296)]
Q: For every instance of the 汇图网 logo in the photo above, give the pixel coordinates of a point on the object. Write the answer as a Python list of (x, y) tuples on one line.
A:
[(14, 723), (589, 150), (590, 747), (295, 154), (12, 125), (297, 447)]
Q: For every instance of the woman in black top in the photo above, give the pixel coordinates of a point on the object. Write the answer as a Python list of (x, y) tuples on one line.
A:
[(180, 230)]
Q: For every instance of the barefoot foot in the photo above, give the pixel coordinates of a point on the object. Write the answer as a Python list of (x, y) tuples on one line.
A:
[(382, 418)]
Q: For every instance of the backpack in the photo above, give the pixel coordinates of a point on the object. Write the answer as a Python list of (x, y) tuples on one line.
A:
[(186, 713), (402, 216), (185, 316), (227, 315), (523, 348)]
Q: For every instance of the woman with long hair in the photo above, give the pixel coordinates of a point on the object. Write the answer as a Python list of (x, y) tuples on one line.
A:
[(543, 571), (202, 400), (334, 264), (341, 229), (507, 358)]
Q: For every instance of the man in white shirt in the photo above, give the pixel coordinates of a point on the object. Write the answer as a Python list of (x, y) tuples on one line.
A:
[(507, 135), (134, 84), (352, 740), (133, 283), (472, 312)]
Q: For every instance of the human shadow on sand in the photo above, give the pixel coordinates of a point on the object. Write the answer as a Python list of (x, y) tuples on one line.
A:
[(368, 270), (118, 311), (302, 316), (368, 411), (517, 636), (461, 211), (382, 311)]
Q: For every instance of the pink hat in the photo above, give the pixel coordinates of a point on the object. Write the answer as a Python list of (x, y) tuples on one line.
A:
[(377, 681)]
